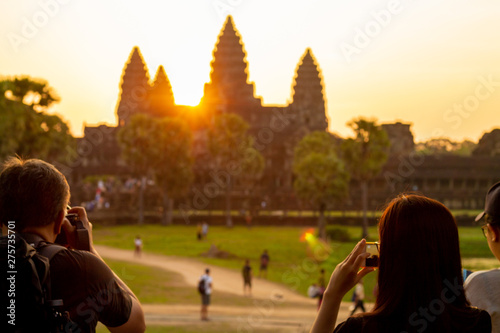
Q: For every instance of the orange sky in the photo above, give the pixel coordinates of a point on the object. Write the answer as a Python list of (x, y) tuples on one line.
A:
[(435, 64)]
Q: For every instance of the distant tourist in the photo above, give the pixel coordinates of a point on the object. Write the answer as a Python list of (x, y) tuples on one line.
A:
[(321, 286), (198, 231), (138, 246), (205, 289), (264, 262), (313, 290), (359, 297), (483, 288), (247, 278), (420, 286), (248, 219), (204, 230)]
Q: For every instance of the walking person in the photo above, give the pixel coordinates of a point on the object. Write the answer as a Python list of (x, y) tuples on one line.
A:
[(482, 287), (138, 246), (204, 230), (247, 278), (321, 286), (206, 283), (248, 219), (359, 297), (264, 262)]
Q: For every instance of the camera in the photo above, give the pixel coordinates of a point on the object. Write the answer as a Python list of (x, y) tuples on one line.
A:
[(373, 259), (81, 234)]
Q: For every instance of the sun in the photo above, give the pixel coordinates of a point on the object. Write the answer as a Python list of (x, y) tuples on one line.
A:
[(188, 97)]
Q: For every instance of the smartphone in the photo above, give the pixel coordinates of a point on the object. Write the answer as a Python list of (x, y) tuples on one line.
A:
[(372, 249)]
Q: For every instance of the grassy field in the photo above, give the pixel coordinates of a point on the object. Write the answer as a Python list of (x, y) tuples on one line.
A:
[(152, 285), (328, 213), (293, 262)]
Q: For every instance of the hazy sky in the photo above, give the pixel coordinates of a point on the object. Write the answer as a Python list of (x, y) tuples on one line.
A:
[(432, 63)]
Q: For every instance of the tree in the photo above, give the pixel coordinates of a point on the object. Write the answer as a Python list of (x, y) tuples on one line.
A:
[(25, 127), (173, 163), (233, 154), (161, 148), (137, 142), (365, 154), (489, 144), (445, 146), (320, 175), (252, 167)]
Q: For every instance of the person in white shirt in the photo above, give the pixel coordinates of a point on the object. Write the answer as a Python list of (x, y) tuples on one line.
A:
[(138, 246), (482, 288), (205, 297), (359, 297)]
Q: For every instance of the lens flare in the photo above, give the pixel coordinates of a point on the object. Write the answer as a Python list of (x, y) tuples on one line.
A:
[(317, 248), (308, 235)]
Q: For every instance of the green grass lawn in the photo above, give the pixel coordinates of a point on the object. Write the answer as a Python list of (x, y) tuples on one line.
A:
[(293, 262), (156, 286)]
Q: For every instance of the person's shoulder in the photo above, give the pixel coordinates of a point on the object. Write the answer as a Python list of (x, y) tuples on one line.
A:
[(479, 277), (80, 262), (76, 255), (352, 324), (483, 321)]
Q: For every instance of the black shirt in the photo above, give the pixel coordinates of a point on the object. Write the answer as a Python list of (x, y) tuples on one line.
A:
[(89, 290), (479, 321)]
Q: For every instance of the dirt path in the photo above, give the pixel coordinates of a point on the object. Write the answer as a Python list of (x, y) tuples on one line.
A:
[(224, 279), (259, 318), (265, 316)]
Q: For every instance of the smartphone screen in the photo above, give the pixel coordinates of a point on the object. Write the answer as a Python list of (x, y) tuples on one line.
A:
[(372, 260)]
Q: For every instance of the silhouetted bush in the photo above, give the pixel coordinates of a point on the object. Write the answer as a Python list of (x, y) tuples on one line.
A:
[(337, 234)]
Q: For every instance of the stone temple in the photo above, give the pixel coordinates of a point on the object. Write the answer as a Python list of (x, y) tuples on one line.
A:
[(459, 182)]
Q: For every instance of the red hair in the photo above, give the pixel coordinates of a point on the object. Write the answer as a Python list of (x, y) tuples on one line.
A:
[(419, 260)]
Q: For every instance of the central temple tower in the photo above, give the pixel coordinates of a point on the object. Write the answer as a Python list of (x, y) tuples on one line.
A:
[(229, 89)]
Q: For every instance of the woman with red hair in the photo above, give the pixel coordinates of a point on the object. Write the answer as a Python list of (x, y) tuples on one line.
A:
[(419, 277)]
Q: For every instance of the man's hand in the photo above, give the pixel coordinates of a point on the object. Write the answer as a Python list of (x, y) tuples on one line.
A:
[(70, 230)]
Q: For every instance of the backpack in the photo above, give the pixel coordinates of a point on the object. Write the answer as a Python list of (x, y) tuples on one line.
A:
[(201, 286), (25, 286)]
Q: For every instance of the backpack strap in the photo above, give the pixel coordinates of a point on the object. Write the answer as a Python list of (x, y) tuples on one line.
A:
[(50, 250), (47, 250)]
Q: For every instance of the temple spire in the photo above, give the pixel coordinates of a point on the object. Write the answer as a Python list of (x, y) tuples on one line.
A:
[(161, 95), (229, 76), (134, 87), (308, 102)]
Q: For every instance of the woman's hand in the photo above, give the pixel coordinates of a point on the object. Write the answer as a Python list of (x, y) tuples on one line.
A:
[(347, 274)]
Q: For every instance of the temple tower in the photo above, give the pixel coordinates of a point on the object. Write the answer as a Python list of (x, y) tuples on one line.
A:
[(161, 96), (229, 84), (134, 88), (308, 102)]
